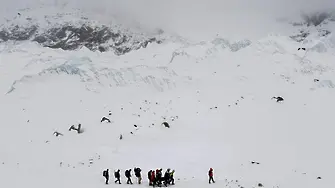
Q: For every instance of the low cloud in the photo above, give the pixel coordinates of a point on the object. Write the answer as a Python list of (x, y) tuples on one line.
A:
[(194, 17)]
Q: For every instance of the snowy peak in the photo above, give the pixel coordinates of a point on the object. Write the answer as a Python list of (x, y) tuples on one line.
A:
[(73, 31)]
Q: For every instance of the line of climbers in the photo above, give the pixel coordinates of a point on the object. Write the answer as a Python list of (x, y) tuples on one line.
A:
[(155, 178)]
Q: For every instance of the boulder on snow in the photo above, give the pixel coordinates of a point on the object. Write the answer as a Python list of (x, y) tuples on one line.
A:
[(78, 129), (166, 124), (254, 162), (278, 99), (56, 133), (105, 119)]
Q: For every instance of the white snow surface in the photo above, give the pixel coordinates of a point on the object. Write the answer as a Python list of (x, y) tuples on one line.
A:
[(216, 99)]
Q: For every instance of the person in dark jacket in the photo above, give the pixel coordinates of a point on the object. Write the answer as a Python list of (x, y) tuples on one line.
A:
[(117, 176), (159, 177), (106, 175), (167, 177), (149, 177), (211, 175), (138, 174), (128, 176)]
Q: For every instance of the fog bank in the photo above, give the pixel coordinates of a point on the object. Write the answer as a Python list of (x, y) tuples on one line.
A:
[(193, 18)]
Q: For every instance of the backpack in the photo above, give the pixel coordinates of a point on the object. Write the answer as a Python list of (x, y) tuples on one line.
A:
[(104, 173), (127, 173), (149, 174), (137, 172), (210, 173), (115, 174)]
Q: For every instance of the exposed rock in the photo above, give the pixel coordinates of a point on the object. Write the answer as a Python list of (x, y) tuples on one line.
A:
[(166, 124), (17, 33), (56, 133), (69, 37), (254, 162), (323, 33), (234, 47), (79, 129), (278, 99), (301, 36), (105, 119), (316, 19), (297, 24)]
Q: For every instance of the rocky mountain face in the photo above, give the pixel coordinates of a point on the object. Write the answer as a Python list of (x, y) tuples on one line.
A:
[(70, 37), (317, 21)]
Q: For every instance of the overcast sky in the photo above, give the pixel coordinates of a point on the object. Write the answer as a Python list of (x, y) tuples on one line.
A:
[(192, 16)]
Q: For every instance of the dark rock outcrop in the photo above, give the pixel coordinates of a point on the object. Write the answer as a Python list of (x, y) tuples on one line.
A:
[(17, 33), (323, 33), (316, 18), (301, 36), (69, 37)]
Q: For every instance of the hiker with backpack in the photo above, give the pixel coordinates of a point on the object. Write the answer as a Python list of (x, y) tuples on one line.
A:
[(117, 176), (153, 178), (128, 176), (211, 175), (138, 174), (105, 174), (159, 177), (171, 177), (149, 177), (167, 177)]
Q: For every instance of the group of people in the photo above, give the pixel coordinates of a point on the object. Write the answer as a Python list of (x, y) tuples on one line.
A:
[(155, 177)]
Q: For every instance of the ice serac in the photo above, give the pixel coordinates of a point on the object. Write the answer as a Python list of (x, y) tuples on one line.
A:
[(159, 77)]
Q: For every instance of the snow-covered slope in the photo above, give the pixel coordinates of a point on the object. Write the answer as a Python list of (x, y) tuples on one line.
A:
[(216, 95)]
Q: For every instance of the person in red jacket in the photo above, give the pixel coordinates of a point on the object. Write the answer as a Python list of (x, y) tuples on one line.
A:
[(211, 175), (153, 178), (149, 177)]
